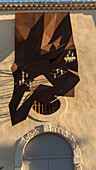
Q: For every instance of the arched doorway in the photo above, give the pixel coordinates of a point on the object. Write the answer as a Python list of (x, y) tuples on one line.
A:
[(57, 134), (48, 151)]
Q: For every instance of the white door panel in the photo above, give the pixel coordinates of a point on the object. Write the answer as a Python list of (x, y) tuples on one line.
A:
[(48, 151), (60, 164), (39, 165)]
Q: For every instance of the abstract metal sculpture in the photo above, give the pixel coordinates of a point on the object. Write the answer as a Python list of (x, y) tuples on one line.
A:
[(45, 60)]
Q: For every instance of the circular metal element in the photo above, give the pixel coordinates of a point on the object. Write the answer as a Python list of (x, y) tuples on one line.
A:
[(50, 117), (46, 109)]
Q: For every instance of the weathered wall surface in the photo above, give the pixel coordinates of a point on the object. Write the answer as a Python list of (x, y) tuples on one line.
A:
[(79, 118)]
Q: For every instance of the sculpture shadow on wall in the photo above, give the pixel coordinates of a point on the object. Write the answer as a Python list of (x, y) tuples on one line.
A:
[(6, 38), (5, 94), (91, 13), (6, 60), (65, 40)]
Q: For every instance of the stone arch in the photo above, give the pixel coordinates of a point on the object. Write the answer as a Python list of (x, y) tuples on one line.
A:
[(43, 129)]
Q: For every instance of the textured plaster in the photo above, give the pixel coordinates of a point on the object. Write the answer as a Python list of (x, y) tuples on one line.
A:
[(80, 115)]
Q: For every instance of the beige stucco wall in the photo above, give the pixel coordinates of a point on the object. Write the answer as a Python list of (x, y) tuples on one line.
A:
[(79, 117)]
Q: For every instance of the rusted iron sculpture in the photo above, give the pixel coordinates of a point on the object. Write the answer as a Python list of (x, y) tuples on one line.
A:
[(43, 47)]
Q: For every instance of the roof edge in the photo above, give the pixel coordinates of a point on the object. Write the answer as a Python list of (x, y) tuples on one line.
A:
[(52, 5)]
